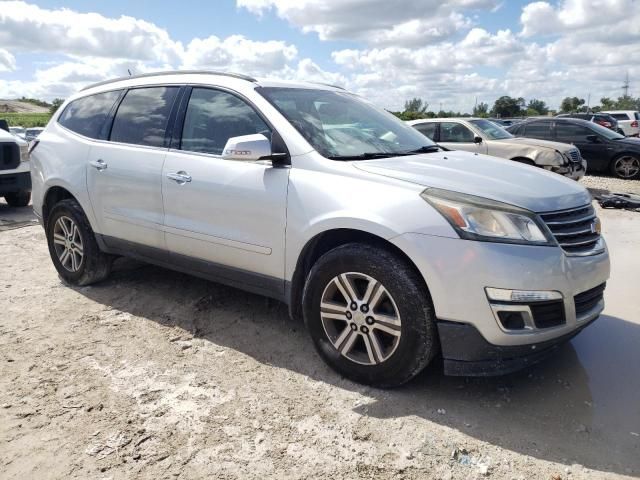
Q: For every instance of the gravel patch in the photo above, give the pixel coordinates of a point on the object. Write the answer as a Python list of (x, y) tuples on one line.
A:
[(598, 184)]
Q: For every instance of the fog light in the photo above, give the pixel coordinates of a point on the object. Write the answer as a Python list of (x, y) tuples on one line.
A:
[(511, 320), (505, 295)]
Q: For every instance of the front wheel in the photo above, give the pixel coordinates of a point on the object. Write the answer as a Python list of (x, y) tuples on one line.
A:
[(18, 199), (370, 315), (626, 166), (73, 247)]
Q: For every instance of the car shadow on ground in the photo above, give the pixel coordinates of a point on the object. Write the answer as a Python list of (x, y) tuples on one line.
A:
[(579, 406), (16, 217)]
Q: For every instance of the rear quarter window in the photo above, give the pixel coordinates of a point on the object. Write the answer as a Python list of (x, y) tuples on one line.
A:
[(86, 115), (620, 116)]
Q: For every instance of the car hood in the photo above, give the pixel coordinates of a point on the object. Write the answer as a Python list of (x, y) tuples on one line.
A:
[(503, 180), (534, 142)]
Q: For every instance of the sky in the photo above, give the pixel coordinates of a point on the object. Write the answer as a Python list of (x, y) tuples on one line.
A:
[(451, 53)]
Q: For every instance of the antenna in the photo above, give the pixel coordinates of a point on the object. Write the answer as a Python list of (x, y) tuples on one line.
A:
[(625, 85)]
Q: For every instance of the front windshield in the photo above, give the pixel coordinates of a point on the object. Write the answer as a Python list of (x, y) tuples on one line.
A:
[(342, 126), (492, 130), (605, 132)]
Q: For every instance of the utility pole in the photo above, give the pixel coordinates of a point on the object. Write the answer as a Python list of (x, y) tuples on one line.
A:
[(625, 85)]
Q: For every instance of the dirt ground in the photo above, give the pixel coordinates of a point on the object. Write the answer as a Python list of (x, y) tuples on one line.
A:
[(154, 374)]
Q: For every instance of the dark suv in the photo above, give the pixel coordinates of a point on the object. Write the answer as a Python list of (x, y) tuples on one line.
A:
[(602, 119), (603, 149)]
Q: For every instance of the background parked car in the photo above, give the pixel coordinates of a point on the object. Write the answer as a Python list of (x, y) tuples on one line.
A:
[(602, 148), (15, 179), (18, 131), (32, 133), (628, 121), (603, 119), (480, 135)]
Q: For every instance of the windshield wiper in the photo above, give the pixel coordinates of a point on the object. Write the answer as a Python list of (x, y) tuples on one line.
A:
[(369, 155), (424, 149)]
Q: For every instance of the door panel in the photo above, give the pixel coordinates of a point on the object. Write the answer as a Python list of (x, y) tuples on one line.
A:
[(125, 192), (597, 154), (230, 213)]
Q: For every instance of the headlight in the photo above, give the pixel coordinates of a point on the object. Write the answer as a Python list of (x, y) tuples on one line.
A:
[(24, 153), (477, 218)]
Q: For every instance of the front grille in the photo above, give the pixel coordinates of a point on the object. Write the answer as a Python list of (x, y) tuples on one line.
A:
[(8, 179), (575, 156), (575, 230), (585, 301), (548, 314)]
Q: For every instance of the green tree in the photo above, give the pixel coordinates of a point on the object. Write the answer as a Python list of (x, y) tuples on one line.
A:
[(537, 107), (416, 105), (607, 103), (571, 104), (481, 110), (507, 106), (55, 105)]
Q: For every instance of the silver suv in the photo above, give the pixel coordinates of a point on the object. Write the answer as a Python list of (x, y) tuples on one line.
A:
[(392, 250)]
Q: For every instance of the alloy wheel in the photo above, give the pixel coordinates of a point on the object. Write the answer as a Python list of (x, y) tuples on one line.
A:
[(627, 166), (360, 318), (67, 243)]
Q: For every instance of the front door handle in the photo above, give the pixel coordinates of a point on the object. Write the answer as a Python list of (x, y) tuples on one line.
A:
[(99, 164), (180, 177)]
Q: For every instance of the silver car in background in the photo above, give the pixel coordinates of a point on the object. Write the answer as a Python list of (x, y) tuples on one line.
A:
[(480, 135), (392, 250)]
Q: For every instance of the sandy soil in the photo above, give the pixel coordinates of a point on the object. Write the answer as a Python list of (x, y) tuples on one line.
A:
[(154, 374)]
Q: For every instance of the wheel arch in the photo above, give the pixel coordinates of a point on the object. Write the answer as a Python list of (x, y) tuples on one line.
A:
[(323, 242), (53, 195)]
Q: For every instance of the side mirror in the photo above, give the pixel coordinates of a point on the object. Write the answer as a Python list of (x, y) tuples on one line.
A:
[(4, 125), (247, 148), (477, 139), (593, 139)]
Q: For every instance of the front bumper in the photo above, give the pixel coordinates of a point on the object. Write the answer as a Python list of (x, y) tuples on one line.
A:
[(467, 353), (457, 272), (14, 182), (574, 171)]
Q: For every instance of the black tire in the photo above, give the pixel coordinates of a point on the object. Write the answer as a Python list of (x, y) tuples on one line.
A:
[(95, 264), (616, 171), (18, 199), (418, 342)]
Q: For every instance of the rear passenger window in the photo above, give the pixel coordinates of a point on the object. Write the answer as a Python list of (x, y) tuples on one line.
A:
[(570, 133), (143, 115), (87, 115), (620, 116), (540, 130), (427, 129), (213, 117)]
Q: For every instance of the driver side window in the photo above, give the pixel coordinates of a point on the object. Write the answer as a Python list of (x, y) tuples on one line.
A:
[(455, 133), (213, 117)]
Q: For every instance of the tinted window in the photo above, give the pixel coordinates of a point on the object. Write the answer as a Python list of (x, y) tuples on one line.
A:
[(537, 130), (143, 115), (637, 116), (427, 129), (620, 116), (87, 115), (213, 117), (454, 132), (570, 132)]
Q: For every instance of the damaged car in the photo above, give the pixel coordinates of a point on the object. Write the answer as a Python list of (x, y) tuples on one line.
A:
[(485, 137)]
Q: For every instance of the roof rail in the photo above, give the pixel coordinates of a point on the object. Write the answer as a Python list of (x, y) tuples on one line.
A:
[(172, 72), (329, 85)]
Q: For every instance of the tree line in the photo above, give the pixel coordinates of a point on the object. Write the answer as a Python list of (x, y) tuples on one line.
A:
[(506, 107)]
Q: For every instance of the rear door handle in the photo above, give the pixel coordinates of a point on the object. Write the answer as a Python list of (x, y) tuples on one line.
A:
[(99, 164), (180, 177)]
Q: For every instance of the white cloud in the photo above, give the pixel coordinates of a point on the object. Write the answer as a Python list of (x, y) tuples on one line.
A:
[(29, 28), (238, 53), (377, 22), (7, 61)]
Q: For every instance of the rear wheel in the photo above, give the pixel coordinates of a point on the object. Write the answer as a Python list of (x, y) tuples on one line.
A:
[(73, 247), (370, 315), (18, 199), (626, 166)]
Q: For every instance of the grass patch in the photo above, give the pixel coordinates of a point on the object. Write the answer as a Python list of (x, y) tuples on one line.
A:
[(26, 120)]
